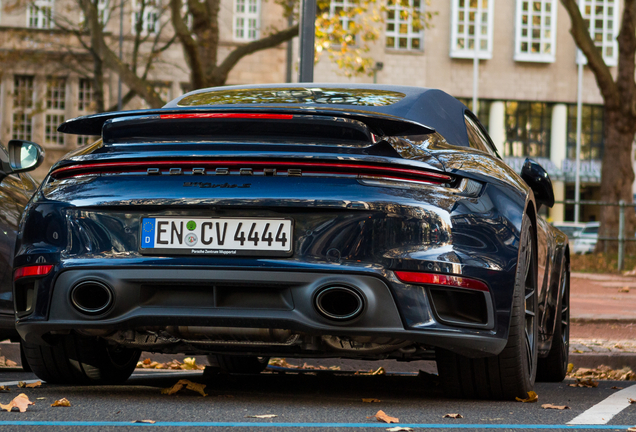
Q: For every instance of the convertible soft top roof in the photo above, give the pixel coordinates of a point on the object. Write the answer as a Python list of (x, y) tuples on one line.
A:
[(419, 110)]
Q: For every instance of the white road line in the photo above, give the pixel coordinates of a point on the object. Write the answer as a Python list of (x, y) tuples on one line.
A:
[(602, 412), (11, 383)]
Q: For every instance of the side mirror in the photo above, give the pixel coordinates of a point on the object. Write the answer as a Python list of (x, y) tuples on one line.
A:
[(539, 181), (24, 155)]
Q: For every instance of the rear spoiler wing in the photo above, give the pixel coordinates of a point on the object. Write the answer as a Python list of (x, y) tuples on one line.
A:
[(380, 124)]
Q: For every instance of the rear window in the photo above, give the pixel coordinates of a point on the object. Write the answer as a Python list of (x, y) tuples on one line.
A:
[(590, 230), (331, 96)]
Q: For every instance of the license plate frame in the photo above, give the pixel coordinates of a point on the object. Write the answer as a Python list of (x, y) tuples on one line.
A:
[(216, 236)]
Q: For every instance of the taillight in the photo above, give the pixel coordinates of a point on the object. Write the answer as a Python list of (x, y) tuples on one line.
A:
[(36, 270), (227, 115), (441, 279), (209, 167)]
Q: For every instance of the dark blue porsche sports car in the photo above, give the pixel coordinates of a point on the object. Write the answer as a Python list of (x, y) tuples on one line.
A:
[(310, 220)]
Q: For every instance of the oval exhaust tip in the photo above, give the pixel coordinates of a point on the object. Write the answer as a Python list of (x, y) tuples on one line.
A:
[(339, 303), (91, 297)]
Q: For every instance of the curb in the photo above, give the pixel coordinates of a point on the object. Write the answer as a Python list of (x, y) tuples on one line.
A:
[(602, 320), (594, 360)]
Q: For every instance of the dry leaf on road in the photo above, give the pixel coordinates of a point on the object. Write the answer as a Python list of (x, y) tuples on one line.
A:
[(371, 400), (10, 363), (632, 429), (190, 363), (556, 407), (532, 397), (144, 421), (199, 388), (61, 403), (382, 416), (616, 388), (400, 429), (262, 416), (623, 290), (4, 389), (589, 383), (632, 401), (453, 416), (20, 402), (35, 384)]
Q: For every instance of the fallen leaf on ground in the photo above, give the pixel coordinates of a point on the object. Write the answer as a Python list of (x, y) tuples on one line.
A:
[(378, 371), (382, 416), (10, 363), (616, 388), (262, 416), (33, 385), (21, 384), (144, 421), (61, 403), (602, 373), (632, 429), (570, 367), (589, 383), (40, 398), (371, 400), (190, 363), (199, 388), (632, 401), (400, 429), (624, 290), (532, 397), (453, 416), (4, 389), (21, 402), (557, 407)]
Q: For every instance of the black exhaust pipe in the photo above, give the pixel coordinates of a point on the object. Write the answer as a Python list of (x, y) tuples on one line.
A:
[(339, 303), (91, 297)]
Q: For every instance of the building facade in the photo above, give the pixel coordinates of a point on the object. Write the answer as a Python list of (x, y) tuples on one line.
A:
[(527, 82), (527, 73)]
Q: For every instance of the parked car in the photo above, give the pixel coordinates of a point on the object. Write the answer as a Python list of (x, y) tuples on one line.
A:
[(322, 220), (585, 242), (570, 229), (16, 188)]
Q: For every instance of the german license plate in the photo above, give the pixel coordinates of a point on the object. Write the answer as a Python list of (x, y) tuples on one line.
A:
[(216, 236)]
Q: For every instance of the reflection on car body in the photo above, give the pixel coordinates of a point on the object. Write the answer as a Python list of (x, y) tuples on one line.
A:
[(378, 222)]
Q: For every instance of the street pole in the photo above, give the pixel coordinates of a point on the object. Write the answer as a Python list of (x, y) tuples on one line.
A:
[(290, 49), (476, 62), (307, 38), (579, 119), (121, 51)]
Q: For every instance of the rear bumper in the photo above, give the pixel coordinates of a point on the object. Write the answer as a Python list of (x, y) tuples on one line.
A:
[(159, 297)]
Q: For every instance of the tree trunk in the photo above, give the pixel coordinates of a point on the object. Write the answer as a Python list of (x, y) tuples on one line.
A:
[(617, 178)]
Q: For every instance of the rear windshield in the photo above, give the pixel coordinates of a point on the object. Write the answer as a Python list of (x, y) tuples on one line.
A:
[(331, 96)]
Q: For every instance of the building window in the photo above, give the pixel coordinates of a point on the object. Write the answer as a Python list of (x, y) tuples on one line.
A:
[(592, 132), (528, 127), (403, 25), (40, 14), (601, 17), (23, 102), (471, 25), (55, 106), (536, 30), (247, 19), (342, 10), (146, 15), (85, 106)]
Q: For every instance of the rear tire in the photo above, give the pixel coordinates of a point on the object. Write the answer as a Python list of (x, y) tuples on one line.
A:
[(511, 373), (81, 360), (240, 364), (554, 367)]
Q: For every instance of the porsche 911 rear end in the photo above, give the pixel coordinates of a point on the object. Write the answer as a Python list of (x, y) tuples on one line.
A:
[(250, 233)]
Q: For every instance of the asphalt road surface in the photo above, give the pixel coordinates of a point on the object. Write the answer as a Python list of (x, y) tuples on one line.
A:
[(306, 401)]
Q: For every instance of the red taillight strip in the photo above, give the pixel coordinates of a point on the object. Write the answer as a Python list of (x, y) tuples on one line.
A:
[(441, 178), (36, 270), (440, 279), (227, 115)]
